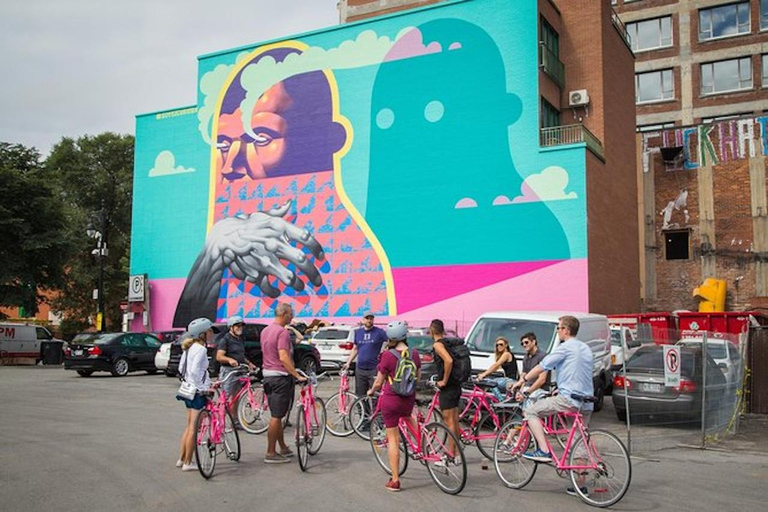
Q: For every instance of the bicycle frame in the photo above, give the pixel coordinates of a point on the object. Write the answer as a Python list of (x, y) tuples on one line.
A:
[(411, 433), (307, 400), (576, 429), (479, 398)]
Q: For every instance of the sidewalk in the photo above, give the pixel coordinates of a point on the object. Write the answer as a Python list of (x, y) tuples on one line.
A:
[(752, 435)]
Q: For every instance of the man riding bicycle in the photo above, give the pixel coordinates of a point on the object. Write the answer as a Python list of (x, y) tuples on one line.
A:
[(231, 354)]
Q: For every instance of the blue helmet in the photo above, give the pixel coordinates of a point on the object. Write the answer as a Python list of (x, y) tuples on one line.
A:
[(234, 320), (397, 330), (198, 326)]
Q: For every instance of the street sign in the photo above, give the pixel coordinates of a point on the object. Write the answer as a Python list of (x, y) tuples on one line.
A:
[(671, 365), (137, 287), (99, 320)]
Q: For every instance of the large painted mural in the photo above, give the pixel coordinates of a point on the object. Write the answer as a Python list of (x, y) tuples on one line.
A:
[(390, 166)]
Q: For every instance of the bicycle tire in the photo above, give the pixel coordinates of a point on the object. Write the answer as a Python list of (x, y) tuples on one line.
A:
[(360, 415), (254, 420), (440, 461), (603, 487), (338, 421), (380, 446), (205, 448), (230, 438), (486, 427), (301, 439), (512, 441), (317, 432)]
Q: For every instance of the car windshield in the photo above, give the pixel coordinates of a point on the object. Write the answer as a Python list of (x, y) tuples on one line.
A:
[(332, 334), (616, 338), (715, 350), (483, 336), (652, 360), (420, 343), (95, 338)]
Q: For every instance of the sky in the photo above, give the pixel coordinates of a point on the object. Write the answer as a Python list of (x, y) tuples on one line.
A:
[(83, 67)]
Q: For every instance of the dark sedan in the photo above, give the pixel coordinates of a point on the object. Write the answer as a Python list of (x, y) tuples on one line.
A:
[(648, 396), (305, 356), (423, 345), (118, 353)]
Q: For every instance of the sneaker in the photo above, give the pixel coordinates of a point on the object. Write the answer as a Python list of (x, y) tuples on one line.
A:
[(538, 456), (570, 491), (276, 459), (393, 486), (288, 423), (179, 463), (192, 466), (287, 453)]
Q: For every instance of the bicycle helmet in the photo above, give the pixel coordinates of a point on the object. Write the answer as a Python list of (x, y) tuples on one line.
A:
[(198, 326), (397, 330), (234, 320)]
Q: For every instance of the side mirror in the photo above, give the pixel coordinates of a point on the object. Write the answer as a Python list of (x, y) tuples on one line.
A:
[(722, 366)]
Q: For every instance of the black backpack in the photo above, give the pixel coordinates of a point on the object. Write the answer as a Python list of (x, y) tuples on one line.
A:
[(462, 364)]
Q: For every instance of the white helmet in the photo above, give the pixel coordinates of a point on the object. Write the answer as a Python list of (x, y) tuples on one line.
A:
[(397, 330), (198, 326)]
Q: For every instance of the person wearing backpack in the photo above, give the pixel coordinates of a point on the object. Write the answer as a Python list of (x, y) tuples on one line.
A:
[(398, 372), (453, 368)]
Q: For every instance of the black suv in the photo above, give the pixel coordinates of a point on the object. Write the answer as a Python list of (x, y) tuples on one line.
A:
[(305, 356)]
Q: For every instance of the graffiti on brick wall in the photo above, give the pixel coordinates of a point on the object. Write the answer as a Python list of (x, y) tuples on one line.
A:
[(678, 205), (710, 144)]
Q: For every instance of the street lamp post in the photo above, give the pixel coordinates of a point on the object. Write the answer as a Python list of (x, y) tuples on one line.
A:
[(100, 234)]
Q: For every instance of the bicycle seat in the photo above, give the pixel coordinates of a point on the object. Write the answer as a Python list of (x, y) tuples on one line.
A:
[(423, 402), (506, 404), (585, 399)]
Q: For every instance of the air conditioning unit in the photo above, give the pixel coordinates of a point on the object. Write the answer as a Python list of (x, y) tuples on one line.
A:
[(578, 98)]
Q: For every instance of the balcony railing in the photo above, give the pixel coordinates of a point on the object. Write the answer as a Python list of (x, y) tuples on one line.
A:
[(571, 134), (551, 65), (621, 28)]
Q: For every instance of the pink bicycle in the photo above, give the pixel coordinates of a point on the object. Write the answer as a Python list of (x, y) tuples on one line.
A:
[(310, 421), (216, 431), (252, 407), (429, 443), (483, 416), (339, 422), (597, 461)]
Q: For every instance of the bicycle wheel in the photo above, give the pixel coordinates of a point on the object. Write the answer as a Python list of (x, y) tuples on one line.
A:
[(317, 422), (205, 448), (512, 441), (254, 416), (380, 446), (301, 438), (360, 415), (606, 483), (337, 409), (447, 469), (485, 433), (231, 438)]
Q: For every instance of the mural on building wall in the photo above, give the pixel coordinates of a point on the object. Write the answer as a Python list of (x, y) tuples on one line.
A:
[(710, 144), (393, 170)]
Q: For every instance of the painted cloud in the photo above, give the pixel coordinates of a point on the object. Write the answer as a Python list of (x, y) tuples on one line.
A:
[(548, 185), (165, 165)]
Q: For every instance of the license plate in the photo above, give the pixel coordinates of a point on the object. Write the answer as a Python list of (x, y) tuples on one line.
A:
[(651, 387), (77, 352)]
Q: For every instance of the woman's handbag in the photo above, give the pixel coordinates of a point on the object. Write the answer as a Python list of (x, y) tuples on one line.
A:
[(187, 390)]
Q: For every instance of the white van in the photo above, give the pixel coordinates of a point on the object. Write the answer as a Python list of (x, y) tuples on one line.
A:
[(22, 341), (593, 331)]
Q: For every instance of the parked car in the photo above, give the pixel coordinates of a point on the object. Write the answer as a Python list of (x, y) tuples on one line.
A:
[(512, 325), (115, 352), (164, 352), (423, 344), (648, 396), (725, 354), (335, 344), (305, 356), (623, 342)]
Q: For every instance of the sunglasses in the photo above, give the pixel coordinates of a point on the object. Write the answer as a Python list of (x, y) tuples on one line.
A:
[(560, 327), (500, 345), (525, 343)]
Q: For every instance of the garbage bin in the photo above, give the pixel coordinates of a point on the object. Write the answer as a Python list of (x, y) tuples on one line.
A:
[(52, 352)]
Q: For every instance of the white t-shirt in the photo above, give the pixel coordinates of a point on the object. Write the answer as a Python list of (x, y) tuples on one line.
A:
[(194, 363)]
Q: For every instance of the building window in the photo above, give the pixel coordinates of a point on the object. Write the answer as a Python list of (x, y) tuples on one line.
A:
[(717, 119), (550, 38), (650, 34), (654, 127), (677, 245), (550, 116), (726, 76), (654, 86), (765, 70), (724, 21), (763, 14)]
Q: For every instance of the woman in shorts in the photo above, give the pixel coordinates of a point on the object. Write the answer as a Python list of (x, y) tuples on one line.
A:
[(394, 406), (194, 368)]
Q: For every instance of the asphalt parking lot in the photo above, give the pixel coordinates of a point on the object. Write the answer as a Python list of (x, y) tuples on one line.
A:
[(104, 443)]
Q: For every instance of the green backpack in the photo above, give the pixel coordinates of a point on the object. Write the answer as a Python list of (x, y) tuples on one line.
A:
[(403, 383)]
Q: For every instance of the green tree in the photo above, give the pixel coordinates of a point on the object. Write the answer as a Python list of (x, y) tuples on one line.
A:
[(94, 176), (33, 245)]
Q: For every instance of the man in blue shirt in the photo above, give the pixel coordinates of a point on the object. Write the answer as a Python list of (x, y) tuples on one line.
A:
[(368, 342), (573, 362)]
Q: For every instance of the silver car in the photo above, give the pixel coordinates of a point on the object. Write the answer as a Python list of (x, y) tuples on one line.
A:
[(335, 344)]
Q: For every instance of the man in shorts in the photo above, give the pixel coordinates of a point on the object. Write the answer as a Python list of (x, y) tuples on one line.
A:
[(279, 374), (573, 362), (450, 391)]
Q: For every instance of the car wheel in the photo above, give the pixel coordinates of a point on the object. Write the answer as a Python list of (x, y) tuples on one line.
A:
[(308, 364), (621, 414), (85, 373), (152, 372), (169, 373), (600, 395), (120, 367)]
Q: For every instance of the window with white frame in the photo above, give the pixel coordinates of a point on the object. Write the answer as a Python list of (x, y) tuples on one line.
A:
[(717, 119), (650, 34), (642, 128), (654, 86), (763, 14), (724, 21), (726, 76), (765, 70)]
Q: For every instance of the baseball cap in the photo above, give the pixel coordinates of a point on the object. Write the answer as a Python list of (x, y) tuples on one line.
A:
[(368, 314)]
